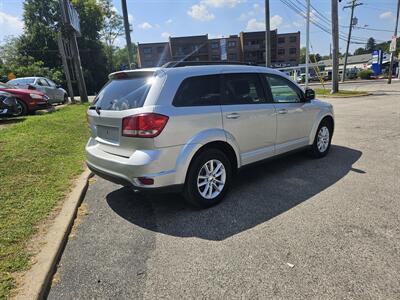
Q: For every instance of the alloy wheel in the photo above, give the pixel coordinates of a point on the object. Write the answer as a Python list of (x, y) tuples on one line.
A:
[(211, 179)]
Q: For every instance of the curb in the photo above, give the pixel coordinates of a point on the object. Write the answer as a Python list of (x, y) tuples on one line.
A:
[(346, 96), (37, 280)]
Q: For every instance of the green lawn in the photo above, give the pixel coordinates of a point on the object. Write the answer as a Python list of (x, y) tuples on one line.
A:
[(39, 158), (342, 93)]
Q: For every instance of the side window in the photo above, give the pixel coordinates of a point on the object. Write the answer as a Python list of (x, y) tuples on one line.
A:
[(42, 82), (199, 91), (282, 90), (50, 83), (243, 89)]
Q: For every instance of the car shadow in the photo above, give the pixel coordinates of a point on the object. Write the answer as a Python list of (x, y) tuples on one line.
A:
[(258, 194)]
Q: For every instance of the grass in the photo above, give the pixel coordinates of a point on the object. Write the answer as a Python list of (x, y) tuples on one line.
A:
[(341, 93), (39, 158)]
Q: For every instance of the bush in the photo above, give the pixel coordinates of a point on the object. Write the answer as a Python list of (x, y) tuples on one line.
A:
[(365, 74)]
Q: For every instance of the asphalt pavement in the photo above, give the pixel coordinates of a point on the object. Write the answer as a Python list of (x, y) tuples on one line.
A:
[(291, 228)]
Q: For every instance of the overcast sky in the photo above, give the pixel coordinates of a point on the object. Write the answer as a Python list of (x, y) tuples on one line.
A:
[(155, 20)]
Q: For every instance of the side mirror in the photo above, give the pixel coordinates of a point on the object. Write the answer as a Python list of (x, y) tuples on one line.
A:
[(309, 95)]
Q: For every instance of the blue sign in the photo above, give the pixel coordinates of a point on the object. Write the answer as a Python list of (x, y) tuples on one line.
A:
[(376, 65)]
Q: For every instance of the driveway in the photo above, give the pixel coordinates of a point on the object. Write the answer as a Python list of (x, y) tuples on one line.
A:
[(292, 228)]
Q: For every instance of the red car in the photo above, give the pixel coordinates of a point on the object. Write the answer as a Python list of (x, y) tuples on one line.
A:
[(28, 100)]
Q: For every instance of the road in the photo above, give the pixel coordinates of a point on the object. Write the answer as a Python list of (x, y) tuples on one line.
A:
[(292, 228)]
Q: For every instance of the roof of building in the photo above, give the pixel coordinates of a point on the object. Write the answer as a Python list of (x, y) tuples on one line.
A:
[(353, 59)]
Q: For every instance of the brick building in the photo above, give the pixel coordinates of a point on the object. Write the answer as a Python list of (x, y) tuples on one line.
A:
[(153, 54), (190, 48), (247, 47), (225, 49)]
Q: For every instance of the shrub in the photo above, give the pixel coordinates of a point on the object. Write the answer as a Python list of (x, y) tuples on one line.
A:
[(365, 74)]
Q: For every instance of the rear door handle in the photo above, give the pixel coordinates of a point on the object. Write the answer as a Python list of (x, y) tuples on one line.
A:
[(233, 116), (282, 111)]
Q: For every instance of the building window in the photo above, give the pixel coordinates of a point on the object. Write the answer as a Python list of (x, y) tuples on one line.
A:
[(231, 44), (281, 51), (292, 51), (281, 40), (293, 60), (214, 45), (147, 50), (147, 56), (215, 57), (160, 50), (232, 56), (293, 39)]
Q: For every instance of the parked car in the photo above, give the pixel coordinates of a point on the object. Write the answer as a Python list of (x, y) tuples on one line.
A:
[(8, 105), (55, 92), (190, 129), (27, 100)]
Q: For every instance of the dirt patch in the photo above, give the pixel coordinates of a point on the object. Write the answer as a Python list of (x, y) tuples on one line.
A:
[(82, 211)]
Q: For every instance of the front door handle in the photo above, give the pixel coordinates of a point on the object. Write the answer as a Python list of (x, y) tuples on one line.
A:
[(282, 111), (233, 116)]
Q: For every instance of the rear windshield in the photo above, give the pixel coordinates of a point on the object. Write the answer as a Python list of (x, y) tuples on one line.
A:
[(21, 81), (126, 93)]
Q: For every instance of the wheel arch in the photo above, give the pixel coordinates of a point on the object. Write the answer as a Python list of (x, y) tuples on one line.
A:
[(322, 117), (195, 146)]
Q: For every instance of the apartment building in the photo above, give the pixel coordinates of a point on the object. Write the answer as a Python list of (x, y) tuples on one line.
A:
[(190, 48), (221, 49), (153, 54), (247, 47), (288, 49)]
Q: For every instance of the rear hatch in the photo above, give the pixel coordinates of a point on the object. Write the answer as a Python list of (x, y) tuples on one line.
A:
[(123, 96)]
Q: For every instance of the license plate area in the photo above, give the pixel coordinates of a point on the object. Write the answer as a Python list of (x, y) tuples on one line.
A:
[(108, 133)]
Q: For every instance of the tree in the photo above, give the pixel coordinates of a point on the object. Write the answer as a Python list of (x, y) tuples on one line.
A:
[(360, 51), (121, 57), (303, 55), (41, 19), (113, 28), (370, 45)]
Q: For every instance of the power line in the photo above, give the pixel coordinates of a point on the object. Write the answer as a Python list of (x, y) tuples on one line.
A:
[(342, 36)]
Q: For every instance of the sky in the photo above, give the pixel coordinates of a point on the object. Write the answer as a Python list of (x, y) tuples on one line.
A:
[(155, 20)]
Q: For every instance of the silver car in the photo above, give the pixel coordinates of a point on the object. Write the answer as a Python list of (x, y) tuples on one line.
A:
[(190, 128), (55, 92)]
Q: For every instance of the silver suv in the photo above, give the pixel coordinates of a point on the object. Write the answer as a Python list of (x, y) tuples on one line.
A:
[(190, 128)]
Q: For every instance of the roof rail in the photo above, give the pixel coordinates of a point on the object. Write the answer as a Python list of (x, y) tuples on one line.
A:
[(176, 64)]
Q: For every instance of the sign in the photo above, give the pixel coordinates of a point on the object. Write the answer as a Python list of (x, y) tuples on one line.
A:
[(376, 65), (224, 54), (393, 44), (73, 18), (11, 76)]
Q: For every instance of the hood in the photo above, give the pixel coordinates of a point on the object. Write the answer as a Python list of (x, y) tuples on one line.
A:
[(22, 91)]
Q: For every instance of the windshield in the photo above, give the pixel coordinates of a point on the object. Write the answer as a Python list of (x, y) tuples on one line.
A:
[(21, 81), (126, 93)]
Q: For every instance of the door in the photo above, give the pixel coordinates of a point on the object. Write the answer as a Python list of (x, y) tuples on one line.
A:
[(248, 117), (43, 86), (58, 94), (295, 116)]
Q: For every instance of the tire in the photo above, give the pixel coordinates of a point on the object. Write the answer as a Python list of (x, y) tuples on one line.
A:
[(65, 101), (22, 109), (322, 140), (197, 179)]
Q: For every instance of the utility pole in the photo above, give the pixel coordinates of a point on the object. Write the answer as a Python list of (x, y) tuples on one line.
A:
[(267, 36), (70, 20), (394, 50), (61, 48), (127, 32), (335, 47), (352, 23), (307, 42)]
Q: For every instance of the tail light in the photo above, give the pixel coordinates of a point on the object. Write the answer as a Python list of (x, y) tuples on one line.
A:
[(143, 125)]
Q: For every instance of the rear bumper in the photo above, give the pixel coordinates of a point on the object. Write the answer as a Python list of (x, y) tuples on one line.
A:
[(176, 188), (157, 164)]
